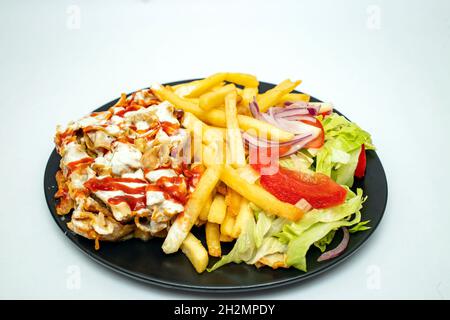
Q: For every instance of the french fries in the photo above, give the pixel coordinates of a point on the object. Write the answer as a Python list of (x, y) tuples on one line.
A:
[(212, 231), (225, 238), (226, 228), (201, 86), (248, 173), (184, 88), (215, 98), (165, 94), (272, 96), (218, 209), (196, 252), (248, 94), (245, 213), (234, 138), (196, 126), (212, 119), (294, 97), (259, 196), (233, 201), (185, 85), (204, 85), (205, 210), (213, 153), (243, 79), (216, 117), (185, 220)]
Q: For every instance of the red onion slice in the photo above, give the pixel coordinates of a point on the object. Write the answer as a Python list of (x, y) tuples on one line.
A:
[(295, 144), (254, 109), (330, 254), (291, 111), (263, 143), (288, 119), (300, 118), (297, 127), (296, 147)]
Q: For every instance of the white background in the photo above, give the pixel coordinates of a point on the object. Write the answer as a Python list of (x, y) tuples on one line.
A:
[(385, 64)]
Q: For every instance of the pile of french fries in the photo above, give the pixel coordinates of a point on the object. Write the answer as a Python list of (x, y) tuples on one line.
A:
[(216, 110)]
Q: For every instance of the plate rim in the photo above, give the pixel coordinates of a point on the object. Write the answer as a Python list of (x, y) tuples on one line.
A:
[(210, 288)]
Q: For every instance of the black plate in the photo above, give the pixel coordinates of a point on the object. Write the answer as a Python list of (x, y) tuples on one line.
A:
[(145, 260)]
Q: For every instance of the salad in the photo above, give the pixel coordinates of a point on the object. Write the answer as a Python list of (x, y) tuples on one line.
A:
[(270, 172)]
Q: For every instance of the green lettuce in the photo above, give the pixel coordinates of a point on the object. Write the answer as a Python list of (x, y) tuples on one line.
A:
[(244, 249), (266, 234), (298, 247), (299, 161), (352, 204), (325, 241), (262, 227), (256, 240), (270, 245), (360, 227), (338, 157), (317, 227)]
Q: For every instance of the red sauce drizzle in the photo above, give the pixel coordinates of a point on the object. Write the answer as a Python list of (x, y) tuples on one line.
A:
[(173, 188), (60, 138), (194, 174), (132, 107), (75, 164), (116, 184), (135, 203)]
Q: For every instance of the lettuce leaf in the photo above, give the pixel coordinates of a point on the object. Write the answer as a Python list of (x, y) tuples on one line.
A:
[(263, 225), (317, 226), (322, 243), (297, 162), (255, 240), (360, 227), (345, 173), (270, 245), (244, 249), (298, 247), (328, 215), (338, 157), (267, 234)]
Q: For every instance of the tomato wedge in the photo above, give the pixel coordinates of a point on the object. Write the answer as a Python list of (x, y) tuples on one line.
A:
[(291, 186), (320, 140), (362, 161)]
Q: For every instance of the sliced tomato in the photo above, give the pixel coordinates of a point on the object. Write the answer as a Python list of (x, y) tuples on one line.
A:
[(362, 161), (319, 141), (291, 186)]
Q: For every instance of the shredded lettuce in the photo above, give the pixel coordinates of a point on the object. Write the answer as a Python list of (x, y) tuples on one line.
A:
[(316, 227), (244, 249), (360, 227), (344, 174), (299, 161), (338, 157), (299, 246), (328, 215), (269, 246), (325, 241), (268, 234), (262, 227), (256, 240)]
